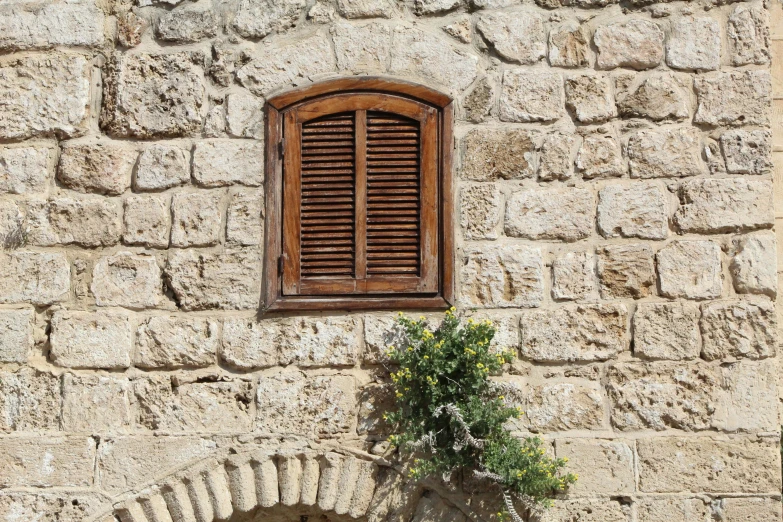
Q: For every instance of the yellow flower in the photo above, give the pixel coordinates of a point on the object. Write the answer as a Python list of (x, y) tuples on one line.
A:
[(501, 397), (565, 459), (479, 366), (398, 394), (410, 348), (426, 357)]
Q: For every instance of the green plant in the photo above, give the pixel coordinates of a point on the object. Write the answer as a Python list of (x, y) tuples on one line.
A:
[(450, 415)]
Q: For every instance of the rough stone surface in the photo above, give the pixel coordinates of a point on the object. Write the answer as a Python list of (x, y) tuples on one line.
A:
[(244, 219), (219, 163), (479, 101), (42, 507), (39, 278), (569, 45), (656, 97), (599, 157), (245, 115), (605, 467), (556, 161), (502, 277), (91, 339), (626, 271), (748, 32), (694, 43), (42, 25), (33, 461), (195, 218), (633, 210), (126, 279), (95, 403), (747, 509), (327, 342), (590, 99), (665, 153), (753, 265), (715, 206), (637, 44), (25, 170), (667, 331), (747, 152), (130, 28), (30, 400), (161, 167), (556, 406), (484, 161), (668, 509), (518, 36), (737, 329), (186, 26), (573, 276), (174, 342), (567, 215), (365, 8), (481, 210), (590, 332), (147, 221), (690, 269), (733, 98), (380, 332), (585, 510), (531, 96), (16, 335), (249, 344), (84, 221), (258, 18)]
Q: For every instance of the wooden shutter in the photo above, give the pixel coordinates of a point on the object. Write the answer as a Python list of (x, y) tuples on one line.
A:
[(360, 205)]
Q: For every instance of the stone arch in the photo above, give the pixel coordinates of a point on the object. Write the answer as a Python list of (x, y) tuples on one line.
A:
[(238, 484)]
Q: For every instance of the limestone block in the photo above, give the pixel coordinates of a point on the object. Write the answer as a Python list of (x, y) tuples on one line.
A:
[(747, 152), (91, 339), (95, 404), (569, 45), (380, 331), (481, 210), (566, 215), (605, 467), (531, 96), (258, 18), (425, 7), (626, 271), (555, 406), (43, 506), (633, 210), (461, 29), (502, 276), (488, 155), (556, 161), (221, 406), (147, 221), (173, 342), (196, 218), (749, 397), (29, 400), (44, 95), (374, 402), (478, 103), (667, 331), (127, 462), (748, 32), (39, 278), (365, 8), (248, 344), (126, 279), (153, 95), (589, 332), (102, 168), (245, 115), (47, 461), (733, 98), (161, 167), (329, 341), (42, 25), (694, 43), (658, 97), (747, 509), (585, 510), (673, 464), (599, 157), (417, 53), (16, 335), (279, 63), (736, 329), (25, 169), (130, 28), (227, 162), (665, 153), (573, 276), (589, 98), (84, 221), (517, 35), (13, 229), (714, 206), (754, 262), (690, 269), (208, 280), (670, 509), (637, 44), (362, 48), (186, 26), (294, 403), (244, 221)]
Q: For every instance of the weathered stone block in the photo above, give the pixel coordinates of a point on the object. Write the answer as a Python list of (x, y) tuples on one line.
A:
[(517, 35), (95, 404), (567, 215), (670, 509), (502, 277), (633, 210), (556, 160), (102, 168), (217, 163), (569, 45), (13, 229), (362, 48), (749, 397), (130, 28), (42, 25), (667, 331), (690, 269), (87, 221), (374, 401), (328, 342), (585, 510), (295, 403), (599, 157), (733, 329), (694, 43), (555, 406), (626, 271), (380, 331), (258, 18), (161, 167), (209, 280), (748, 32), (481, 209), (186, 26), (747, 509), (745, 465), (590, 99), (658, 97), (25, 170), (245, 115), (589, 332), (40, 506), (665, 153), (636, 43), (733, 98), (249, 344), (47, 461), (126, 279), (531, 96), (424, 7), (174, 342), (39, 278), (573, 276), (754, 264), (153, 95), (91, 339), (244, 220), (45, 95), (714, 206), (147, 221), (16, 335), (29, 400), (605, 467), (365, 8), (196, 218), (488, 155), (478, 103), (747, 152)]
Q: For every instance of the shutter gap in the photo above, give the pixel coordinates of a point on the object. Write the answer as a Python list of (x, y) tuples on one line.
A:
[(361, 195)]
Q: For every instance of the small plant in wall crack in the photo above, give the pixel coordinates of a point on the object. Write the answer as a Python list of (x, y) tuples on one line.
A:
[(451, 416)]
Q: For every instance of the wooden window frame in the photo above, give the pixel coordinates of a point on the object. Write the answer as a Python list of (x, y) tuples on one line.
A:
[(275, 112)]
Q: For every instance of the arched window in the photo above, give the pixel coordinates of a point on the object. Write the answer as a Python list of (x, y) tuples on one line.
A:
[(359, 197)]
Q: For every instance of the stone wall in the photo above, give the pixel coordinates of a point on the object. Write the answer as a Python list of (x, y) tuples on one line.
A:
[(615, 217)]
